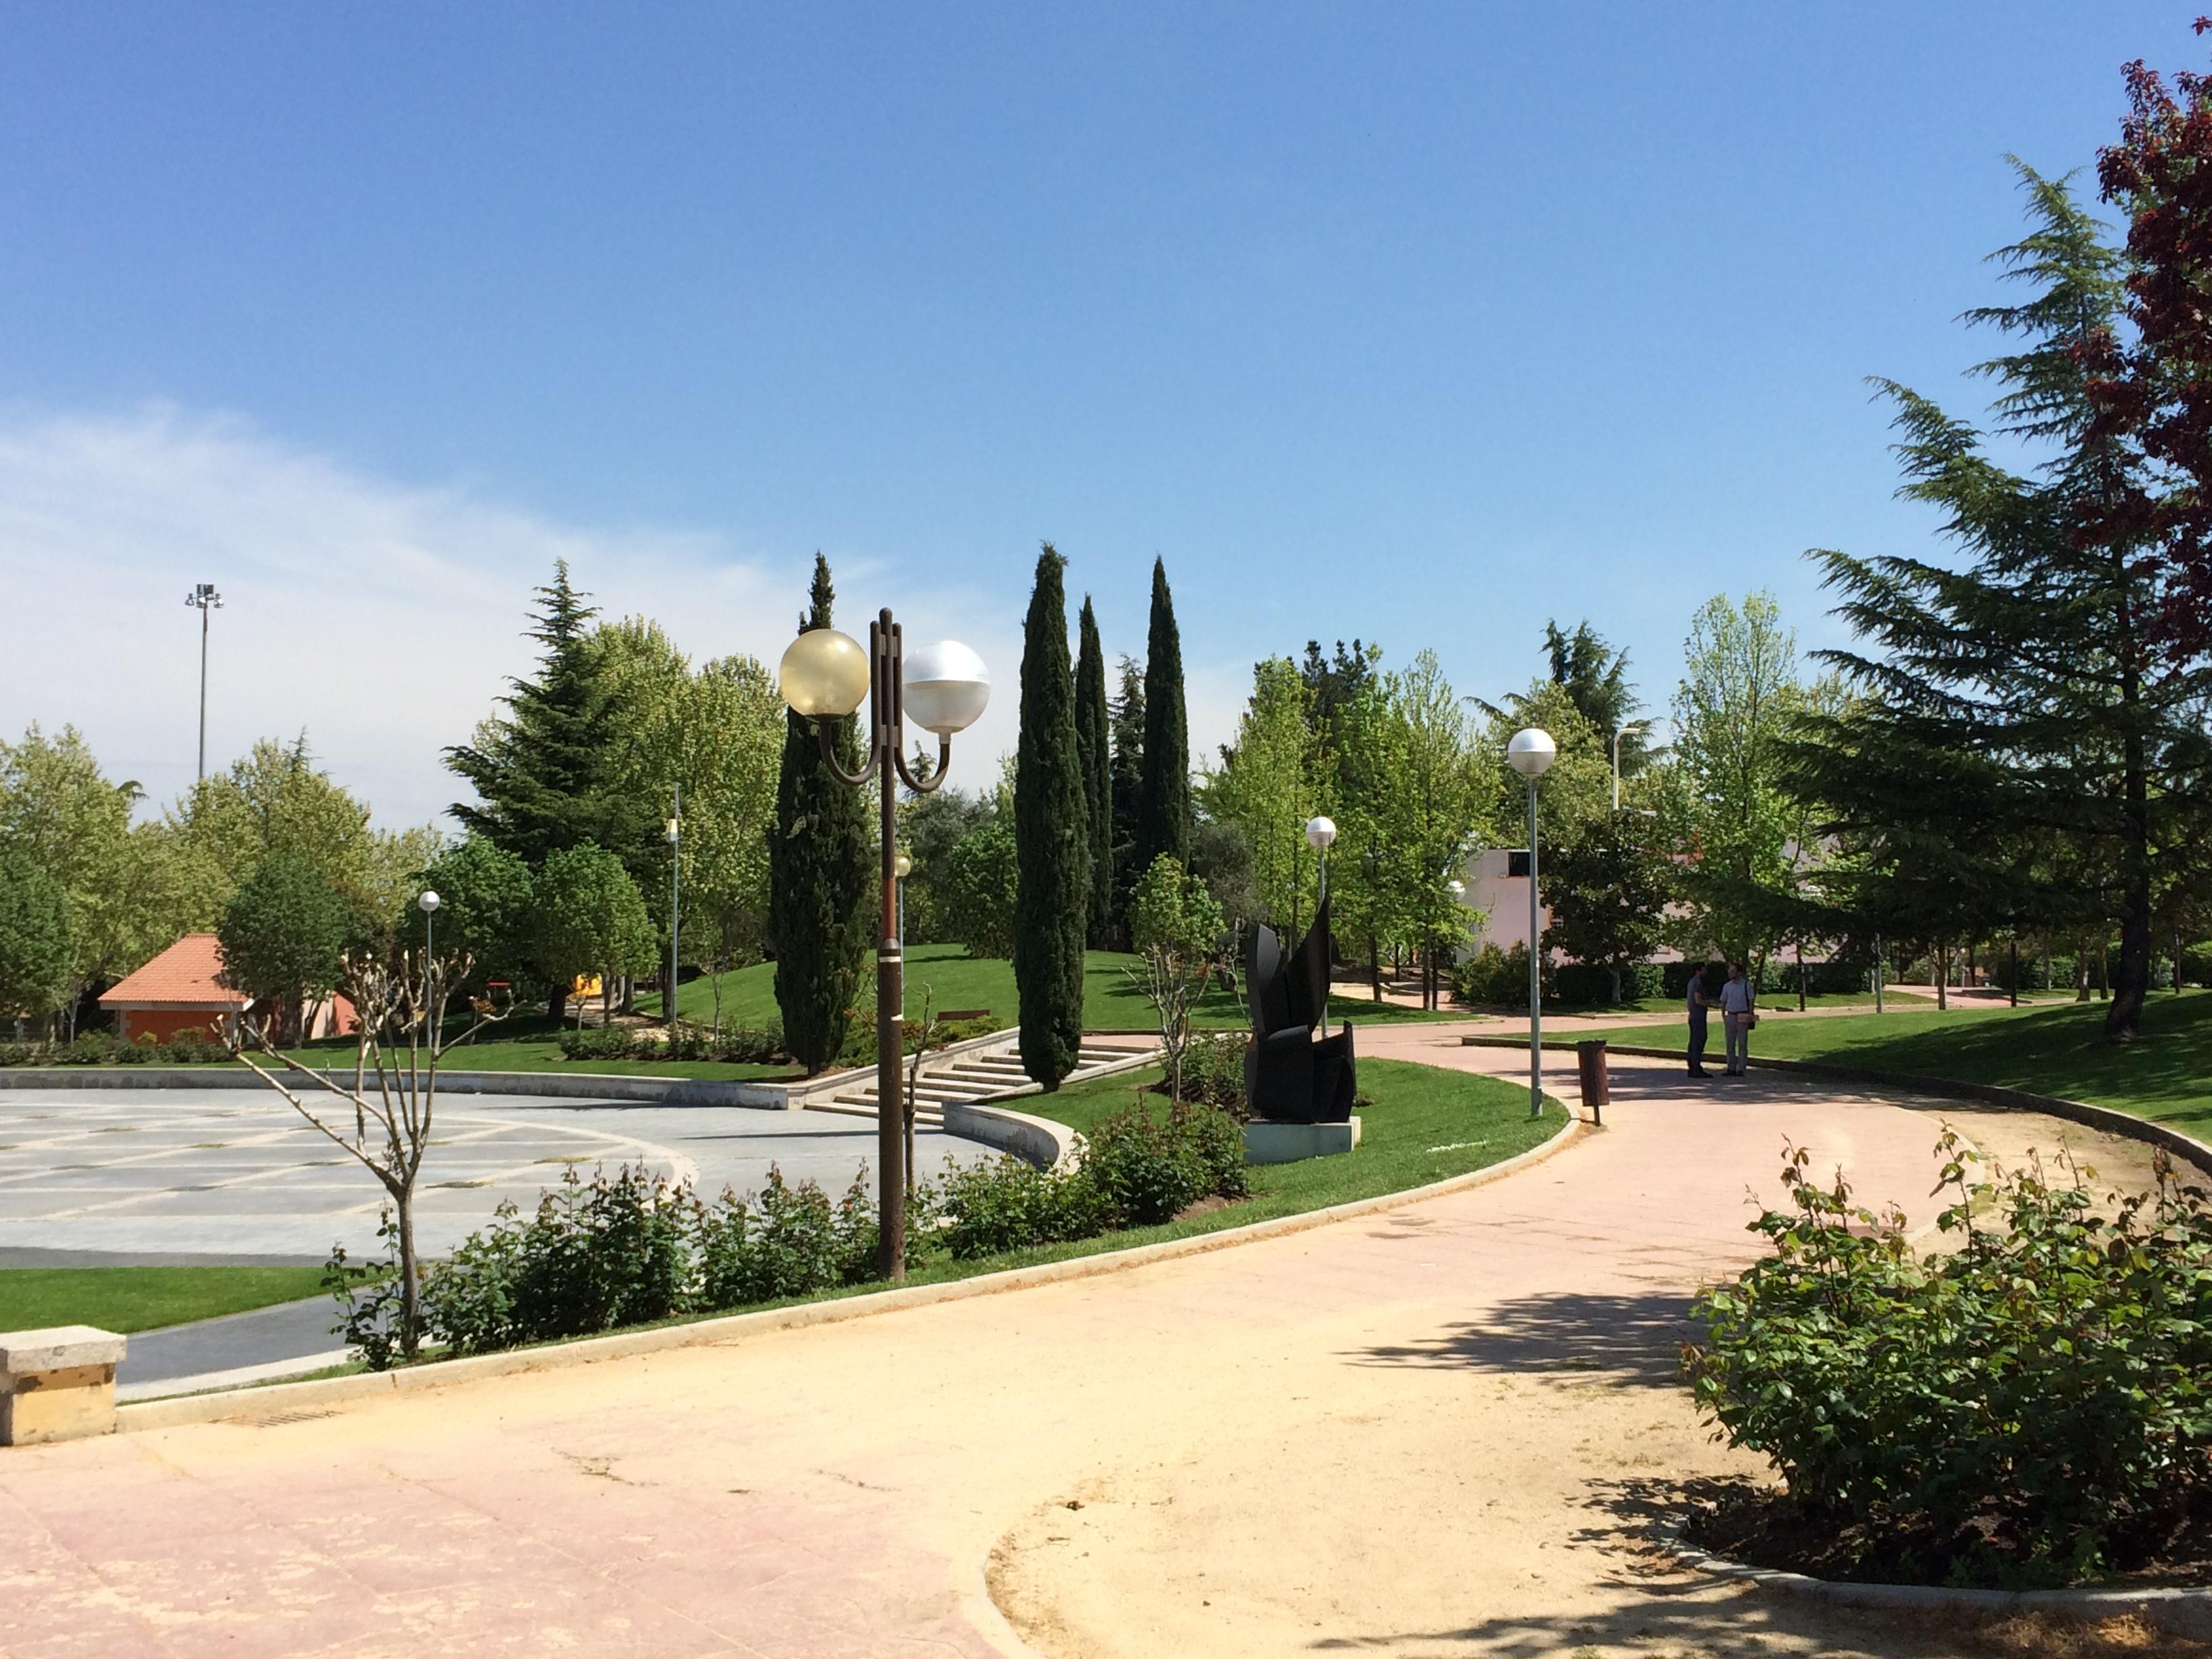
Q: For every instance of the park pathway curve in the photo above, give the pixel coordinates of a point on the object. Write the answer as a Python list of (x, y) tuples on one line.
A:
[(1426, 1431)]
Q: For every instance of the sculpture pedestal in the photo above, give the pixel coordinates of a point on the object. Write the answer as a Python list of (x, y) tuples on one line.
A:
[(1266, 1142)]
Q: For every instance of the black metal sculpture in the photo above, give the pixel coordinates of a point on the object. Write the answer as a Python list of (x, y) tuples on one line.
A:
[(1289, 1077)]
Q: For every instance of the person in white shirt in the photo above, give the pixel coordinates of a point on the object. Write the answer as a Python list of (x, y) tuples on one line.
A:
[(1736, 1003)]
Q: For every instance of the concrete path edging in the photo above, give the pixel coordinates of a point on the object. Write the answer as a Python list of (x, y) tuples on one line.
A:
[(1037, 1140), (2188, 1148), (734, 1328), (2180, 1611)]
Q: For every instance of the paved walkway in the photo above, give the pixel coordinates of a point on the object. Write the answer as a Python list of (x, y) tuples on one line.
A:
[(1426, 1431)]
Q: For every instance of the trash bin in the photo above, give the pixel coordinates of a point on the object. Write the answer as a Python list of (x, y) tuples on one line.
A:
[(1597, 1088)]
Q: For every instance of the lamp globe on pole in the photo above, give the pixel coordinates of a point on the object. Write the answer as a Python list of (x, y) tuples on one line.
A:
[(943, 689), (1530, 753)]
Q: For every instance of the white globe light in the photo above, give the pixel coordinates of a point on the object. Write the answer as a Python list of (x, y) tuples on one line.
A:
[(427, 900), (1455, 887), (824, 673), (1320, 833), (946, 687), (1531, 751)]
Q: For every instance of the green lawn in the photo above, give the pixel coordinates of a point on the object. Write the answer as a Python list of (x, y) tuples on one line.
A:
[(142, 1299), (958, 982), (2058, 1048), (1425, 1124)]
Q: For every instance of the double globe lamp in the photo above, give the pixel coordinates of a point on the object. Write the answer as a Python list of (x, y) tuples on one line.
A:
[(943, 689)]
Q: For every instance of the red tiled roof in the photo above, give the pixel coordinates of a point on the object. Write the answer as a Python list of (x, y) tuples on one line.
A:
[(184, 973)]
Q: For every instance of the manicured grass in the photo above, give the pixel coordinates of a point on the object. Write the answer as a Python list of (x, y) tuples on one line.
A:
[(958, 982), (1425, 1124), (129, 1299), (2164, 1075)]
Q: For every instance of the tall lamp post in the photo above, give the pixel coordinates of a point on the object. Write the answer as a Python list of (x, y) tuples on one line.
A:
[(204, 599), (825, 675), (675, 834), (1320, 834), (428, 903), (1632, 726), (1531, 752)]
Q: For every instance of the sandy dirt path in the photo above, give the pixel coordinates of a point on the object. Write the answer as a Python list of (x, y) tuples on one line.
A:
[(1431, 1431)]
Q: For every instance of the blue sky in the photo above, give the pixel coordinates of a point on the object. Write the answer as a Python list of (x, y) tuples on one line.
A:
[(1419, 323)]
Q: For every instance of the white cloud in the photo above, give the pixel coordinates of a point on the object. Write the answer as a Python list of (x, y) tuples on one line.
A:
[(381, 617)]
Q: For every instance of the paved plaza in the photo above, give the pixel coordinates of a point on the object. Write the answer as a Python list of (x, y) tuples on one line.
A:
[(147, 1175), (1430, 1431)]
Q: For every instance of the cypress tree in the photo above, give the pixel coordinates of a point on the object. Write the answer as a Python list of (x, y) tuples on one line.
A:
[(1092, 729), (818, 863), (1163, 808), (1052, 840), (1126, 783), (538, 772)]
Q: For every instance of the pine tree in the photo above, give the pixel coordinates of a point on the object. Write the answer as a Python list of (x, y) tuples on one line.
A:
[(1051, 838), (1164, 813), (2023, 753), (1093, 737), (817, 877), (539, 772)]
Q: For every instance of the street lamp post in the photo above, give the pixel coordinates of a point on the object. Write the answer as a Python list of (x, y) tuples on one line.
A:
[(204, 599), (675, 833), (1632, 726), (825, 675), (1320, 834), (1531, 752), (1457, 888), (428, 903)]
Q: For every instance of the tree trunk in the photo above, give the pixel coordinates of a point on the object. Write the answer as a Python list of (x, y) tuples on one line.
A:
[(1942, 978), (1801, 975), (411, 1288), (2015, 972), (556, 1005), (1375, 964), (2081, 970)]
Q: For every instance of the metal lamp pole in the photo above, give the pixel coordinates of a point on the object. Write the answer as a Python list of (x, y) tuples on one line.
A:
[(1632, 726), (1320, 833), (204, 599), (1531, 752), (675, 895), (825, 675), (428, 903)]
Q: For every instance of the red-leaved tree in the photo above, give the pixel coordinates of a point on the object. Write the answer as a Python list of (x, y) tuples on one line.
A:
[(2155, 390)]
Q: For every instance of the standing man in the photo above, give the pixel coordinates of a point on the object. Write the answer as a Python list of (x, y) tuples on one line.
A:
[(1735, 1016), (1699, 1008)]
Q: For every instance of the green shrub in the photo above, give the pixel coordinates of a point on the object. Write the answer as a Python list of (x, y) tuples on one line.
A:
[(2033, 1405), (1004, 1204), (1491, 976), (627, 1249), (1213, 1070), (860, 1048), (1590, 982)]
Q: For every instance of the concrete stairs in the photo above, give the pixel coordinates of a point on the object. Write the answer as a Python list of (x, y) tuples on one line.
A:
[(986, 1069)]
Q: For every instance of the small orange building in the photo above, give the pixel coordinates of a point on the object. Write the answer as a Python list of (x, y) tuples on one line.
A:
[(178, 991)]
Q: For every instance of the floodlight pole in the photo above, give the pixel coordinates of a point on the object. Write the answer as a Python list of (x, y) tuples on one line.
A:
[(674, 898), (205, 598), (1535, 973)]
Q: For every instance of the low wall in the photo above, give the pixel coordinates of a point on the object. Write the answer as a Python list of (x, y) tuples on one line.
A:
[(2110, 1119), (1037, 1140), (554, 1085)]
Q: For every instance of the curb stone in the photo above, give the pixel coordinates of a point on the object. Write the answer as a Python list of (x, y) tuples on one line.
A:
[(250, 1404), (2179, 1611)]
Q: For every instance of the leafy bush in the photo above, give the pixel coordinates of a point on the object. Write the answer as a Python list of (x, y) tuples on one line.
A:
[(1213, 1070), (1137, 1170), (742, 1045), (2032, 1407), (187, 1048), (1492, 976), (627, 1249), (1579, 982)]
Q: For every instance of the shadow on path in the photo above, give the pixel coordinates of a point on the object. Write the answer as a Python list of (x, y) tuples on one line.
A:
[(1637, 1338)]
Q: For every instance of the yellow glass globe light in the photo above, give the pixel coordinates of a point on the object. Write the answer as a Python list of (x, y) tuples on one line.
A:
[(824, 673), (943, 687), (902, 866)]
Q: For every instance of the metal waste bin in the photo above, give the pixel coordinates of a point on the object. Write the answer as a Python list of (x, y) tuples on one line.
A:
[(1597, 1085)]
